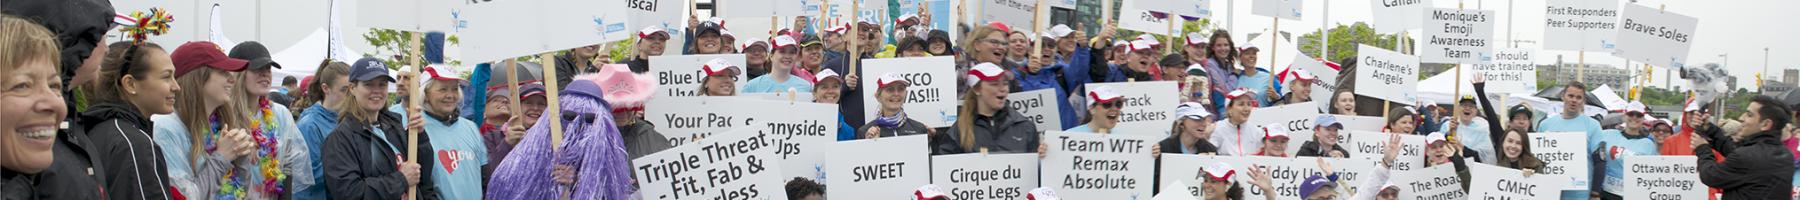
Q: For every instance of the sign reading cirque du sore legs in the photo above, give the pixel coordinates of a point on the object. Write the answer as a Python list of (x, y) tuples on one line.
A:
[(1489, 182), (800, 130), (741, 165), (1370, 145), (1437, 182), (884, 168), (1654, 36), (1662, 177), (979, 177), (1457, 36), (1039, 107), (1563, 155), (1393, 16), (1148, 106), (932, 97), (680, 76), (1098, 166), (497, 30), (1284, 9), (1576, 25), (1512, 72), (1386, 75)]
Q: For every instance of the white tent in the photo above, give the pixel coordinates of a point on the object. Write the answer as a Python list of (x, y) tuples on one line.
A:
[(1438, 88), (303, 58)]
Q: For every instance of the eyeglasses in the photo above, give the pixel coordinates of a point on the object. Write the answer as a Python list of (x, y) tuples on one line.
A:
[(994, 41)]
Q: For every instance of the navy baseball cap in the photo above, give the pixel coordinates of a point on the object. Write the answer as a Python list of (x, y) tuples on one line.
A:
[(369, 69)]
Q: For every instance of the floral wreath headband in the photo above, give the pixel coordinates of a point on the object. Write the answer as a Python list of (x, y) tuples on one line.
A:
[(140, 24)]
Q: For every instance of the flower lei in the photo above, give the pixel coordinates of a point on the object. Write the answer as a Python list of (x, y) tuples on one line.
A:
[(266, 155), (231, 186)]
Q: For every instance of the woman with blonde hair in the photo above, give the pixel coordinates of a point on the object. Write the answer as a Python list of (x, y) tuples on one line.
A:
[(204, 137), (281, 161), (33, 104), (991, 123)]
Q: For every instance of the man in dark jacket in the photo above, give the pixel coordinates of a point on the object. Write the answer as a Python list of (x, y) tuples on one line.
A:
[(375, 176), (1756, 166), (79, 26)]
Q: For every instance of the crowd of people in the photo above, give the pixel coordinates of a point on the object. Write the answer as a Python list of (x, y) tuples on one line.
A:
[(134, 119)]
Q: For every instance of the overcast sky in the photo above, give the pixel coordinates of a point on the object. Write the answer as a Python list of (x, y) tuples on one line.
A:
[(1739, 28)]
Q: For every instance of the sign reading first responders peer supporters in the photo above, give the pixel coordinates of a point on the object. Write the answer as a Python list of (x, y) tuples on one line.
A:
[(1099, 166)]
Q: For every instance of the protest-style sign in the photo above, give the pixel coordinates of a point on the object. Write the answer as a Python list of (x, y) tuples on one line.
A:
[(1286, 174), (1394, 16), (1654, 36), (1142, 20), (1438, 182), (1148, 106), (981, 176), (1662, 177), (780, 96), (1295, 119), (1370, 145), (1457, 36), (1015, 13), (1325, 84), (1581, 25), (1039, 107), (1489, 182), (496, 30), (1191, 8), (680, 76), (1098, 166), (738, 165), (1284, 9), (1386, 75), (932, 97), (409, 15), (801, 130), (904, 165), (1511, 72), (1564, 155)]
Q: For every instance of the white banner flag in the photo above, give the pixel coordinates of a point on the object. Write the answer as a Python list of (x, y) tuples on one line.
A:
[(741, 164)]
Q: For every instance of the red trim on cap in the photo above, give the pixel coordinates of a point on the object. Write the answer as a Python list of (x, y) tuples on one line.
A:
[(987, 77), (435, 76), (1097, 100), (1227, 176)]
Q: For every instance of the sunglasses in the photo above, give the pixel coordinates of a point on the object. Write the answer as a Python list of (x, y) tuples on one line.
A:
[(1112, 105)]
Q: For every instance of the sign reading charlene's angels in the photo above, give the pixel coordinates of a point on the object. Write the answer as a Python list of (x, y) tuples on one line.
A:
[(1386, 75), (931, 99), (1576, 25), (1039, 107), (1098, 166), (680, 76), (980, 177), (1657, 37), (498, 30), (1148, 106), (882, 168), (1457, 36), (740, 165)]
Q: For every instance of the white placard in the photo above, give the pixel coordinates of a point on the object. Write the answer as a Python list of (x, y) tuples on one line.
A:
[(1192, 8), (1296, 119), (1386, 75), (1183, 169), (1657, 37), (1500, 183), (1015, 13), (1564, 155), (779, 96), (767, 8), (904, 165), (1284, 9), (497, 30), (1361, 123), (978, 177), (680, 76), (682, 118), (932, 97), (1512, 72), (1394, 16), (1576, 25), (1662, 177), (741, 164), (1457, 36), (1177, 191), (1439, 182), (408, 15), (874, 10), (1142, 21), (1148, 106), (1321, 88), (1098, 166), (1039, 107), (1370, 145), (1287, 174)]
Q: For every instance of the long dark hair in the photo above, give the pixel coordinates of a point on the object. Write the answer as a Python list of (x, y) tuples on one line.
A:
[(115, 66), (1526, 160), (1232, 52)]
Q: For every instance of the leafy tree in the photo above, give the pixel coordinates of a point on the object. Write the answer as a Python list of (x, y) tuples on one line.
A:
[(1346, 38), (398, 43)]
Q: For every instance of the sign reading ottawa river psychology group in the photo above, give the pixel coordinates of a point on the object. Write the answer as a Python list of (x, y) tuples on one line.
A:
[(1457, 36), (1662, 177), (1512, 72), (903, 165), (1581, 25), (1654, 36), (1148, 106), (1564, 155), (979, 177), (1386, 75), (680, 76), (738, 165), (1039, 107), (1098, 166), (1489, 182), (930, 100)]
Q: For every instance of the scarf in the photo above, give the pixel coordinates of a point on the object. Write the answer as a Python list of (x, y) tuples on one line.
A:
[(891, 122)]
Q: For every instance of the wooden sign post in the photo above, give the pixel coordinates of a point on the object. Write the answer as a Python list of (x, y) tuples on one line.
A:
[(416, 99)]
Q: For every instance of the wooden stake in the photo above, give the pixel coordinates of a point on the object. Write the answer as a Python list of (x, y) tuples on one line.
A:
[(1037, 49), (548, 60), (855, 37), (416, 97), (512, 83), (1274, 37), (1170, 46), (1457, 92)]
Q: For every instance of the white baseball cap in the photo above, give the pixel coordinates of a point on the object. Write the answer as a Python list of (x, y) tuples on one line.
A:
[(985, 72), (719, 65), (1102, 94), (1060, 31)]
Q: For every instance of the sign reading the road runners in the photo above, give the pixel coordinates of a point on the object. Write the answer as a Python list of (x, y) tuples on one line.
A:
[(1662, 177), (1657, 37), (1437, 182), (977, 177), (854, 173), (1457, 36), (1098, 166), (740, 165), (1386, 75), (1577, 25), (1039, 107)]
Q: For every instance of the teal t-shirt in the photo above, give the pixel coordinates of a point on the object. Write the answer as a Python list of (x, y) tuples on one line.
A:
[(767, 84), (460, 153), (1615, 167), (1556, 123)]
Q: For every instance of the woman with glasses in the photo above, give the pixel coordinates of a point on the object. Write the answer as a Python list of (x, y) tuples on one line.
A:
[(1103, 111)]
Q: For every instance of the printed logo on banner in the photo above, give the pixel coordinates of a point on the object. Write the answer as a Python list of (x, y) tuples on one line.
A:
[(1039, 107), (1394, 16), (681, 76), (1657, 37), (979, 177), (1512, 72), (932, 97), (1579, 25), (492, 30), (1500, 183), (741, 165), (1458, 36), (1387, 75), (1099, 166), (1564, 155), (1663, 177), (1284, 9), (1191, 8), (1438, 182), (1369, 145), (903, 166), (1148, 106)]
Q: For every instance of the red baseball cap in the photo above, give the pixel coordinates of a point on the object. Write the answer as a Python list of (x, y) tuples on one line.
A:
[(194, 55)]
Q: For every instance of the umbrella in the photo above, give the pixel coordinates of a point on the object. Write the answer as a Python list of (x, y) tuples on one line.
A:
[(1554, 93)]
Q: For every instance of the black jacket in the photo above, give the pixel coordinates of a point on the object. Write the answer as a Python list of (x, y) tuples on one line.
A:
[(1758, 167), (75, 174), (361, 165), (637, 65), (137, 169), (1172, 144), (1312, 149), (1005, 132), (641, 139)]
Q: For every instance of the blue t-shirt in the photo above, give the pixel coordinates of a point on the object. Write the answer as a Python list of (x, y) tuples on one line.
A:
[(1081, 129), (767, 84), (1258, 83), (1615, 169), (460, 154), (1583, 124)]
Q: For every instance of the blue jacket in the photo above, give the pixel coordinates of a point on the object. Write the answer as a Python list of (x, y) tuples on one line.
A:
[(316, 122), (1046, 79), (845, 131)]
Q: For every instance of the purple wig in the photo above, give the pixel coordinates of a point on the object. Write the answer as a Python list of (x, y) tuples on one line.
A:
[(591, 145)]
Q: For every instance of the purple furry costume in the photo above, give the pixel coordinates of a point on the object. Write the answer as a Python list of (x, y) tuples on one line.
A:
[(591, 144)]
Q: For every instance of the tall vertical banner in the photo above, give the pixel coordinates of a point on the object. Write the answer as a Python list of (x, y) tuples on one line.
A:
[(1654, 36), (1039, 107), (1394, 16), (1512, 72), (1458, 36), (1098, 166), (1489, 182), (1576, 25), (1148, 106), (680, 76), (497, 30), (1437, 182), (1284, 9), (980, 177), (903, 165), (1371, 145), (1295, 119), (740, 165), (1663, 177), (1386, 75), (1564, 155), (932, 97)]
